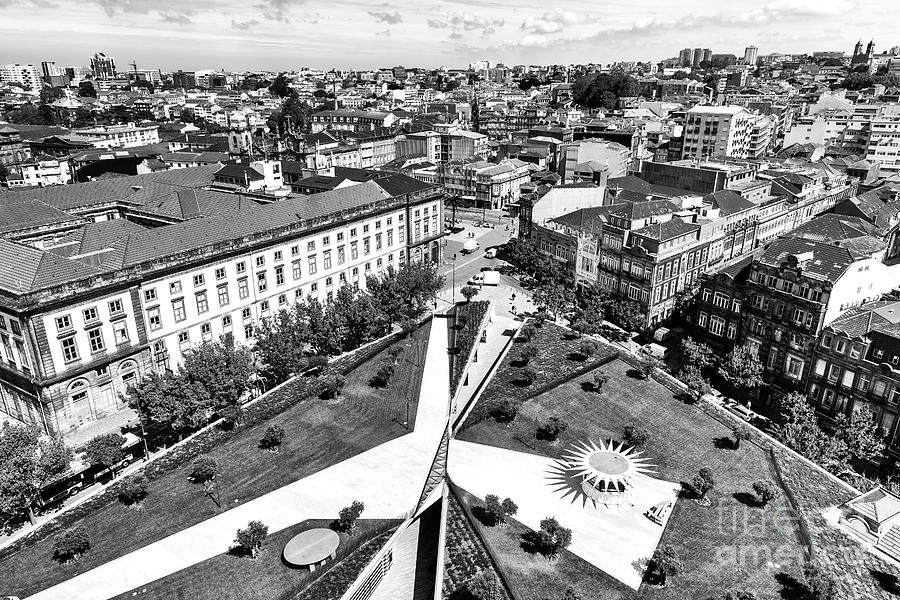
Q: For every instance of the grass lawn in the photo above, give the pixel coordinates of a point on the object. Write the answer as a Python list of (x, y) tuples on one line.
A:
[(318, 434), (469, 317), (558, 359), (731, 544), (266, 577)]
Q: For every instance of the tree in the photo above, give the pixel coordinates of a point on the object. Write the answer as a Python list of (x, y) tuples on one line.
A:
[(819, 584), (859, 434), (766, 491), (627, 314), (678, 75), (251, 538), (603, 90), (665, 564), (696, 354), (600, 379), (527, 332), (86, 90), (272, 438), (71, 544), (529, 375), (647, 366), (636, 437), (204, 469), (588, 348), (691, 376), (349, 514), (552, 429), (280, 86), (132, 490), (280, 344), (332, 386), (556, 296), (383, 375), (742, 368), (395, 351), (702, 483), (27, 463), (222, 368), (324, 326), (529, 352), (799, 429), (357, 317), (506, 411), (553, 538), (468, 292), (485, 586), (170, 400), (106, 451), (294, 114), (406, 292), (741, 432), (581, 327), (508, 508), (49, 95), (492, 509)]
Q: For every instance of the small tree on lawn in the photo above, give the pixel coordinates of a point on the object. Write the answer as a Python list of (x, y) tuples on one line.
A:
[(204, 469), (581, 327), (693, 378), (485, 586), (553, 538), (251, 538), (588, 348), (492, 509), (506, 411), (552, 429), (133, 490), (394, 352), (765, 491), (71, 544), (332, 386), (819, 584), (408, 326), (468, 292), (527, 332), (666, 564), (703, 483), (272, 438), (529, 375), (741, 433), (742, 369), (647, 366), (636, 437), (349, 514), (508, 508), (106, 451), (528, 352), (383, 375), (600, 379)]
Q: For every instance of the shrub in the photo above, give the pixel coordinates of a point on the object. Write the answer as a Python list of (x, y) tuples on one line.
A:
[(588, 348), (317, 361), (272, 438), (741, 432), (251, 539), (529, 375), (383, 375), (408, 326), (508, 508), (497, 511), (133, 489), (232, 414), (600, 379), (395, 351), (665, 563), (766, 491), (647, 365), (636, 437), (71, 544), (332, 386), (553, 538), (349, 514), (703, 483), (485, 586), (468, 292), (527, 332), (551, 430), (819, 584), (204, 469), (539, 319), (528, 352), (506, 411)]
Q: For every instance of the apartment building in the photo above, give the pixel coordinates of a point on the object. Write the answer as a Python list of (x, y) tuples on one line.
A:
[(612, 156), (27, 75), (884, 143), (445, 143), (717, 131), (351, 120), (483, 184), (92, 311), (128, 135)]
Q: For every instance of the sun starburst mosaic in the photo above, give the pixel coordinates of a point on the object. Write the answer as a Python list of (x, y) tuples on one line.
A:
[(607, 470)]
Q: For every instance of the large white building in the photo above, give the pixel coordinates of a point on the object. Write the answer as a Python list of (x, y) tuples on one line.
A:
[(27, 75), (717, 131), (121, 136), (98, 305), (884, 142)]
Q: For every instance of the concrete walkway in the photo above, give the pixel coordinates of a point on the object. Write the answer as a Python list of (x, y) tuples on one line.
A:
[(618, 541), (388, 479)]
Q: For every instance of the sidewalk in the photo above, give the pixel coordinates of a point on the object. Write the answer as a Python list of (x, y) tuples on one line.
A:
[(388, 479)]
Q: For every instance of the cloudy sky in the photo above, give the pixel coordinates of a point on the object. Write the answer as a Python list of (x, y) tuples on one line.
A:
[(285, 34)]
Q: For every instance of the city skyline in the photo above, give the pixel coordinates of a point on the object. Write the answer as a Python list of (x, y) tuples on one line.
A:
[(269, 35)]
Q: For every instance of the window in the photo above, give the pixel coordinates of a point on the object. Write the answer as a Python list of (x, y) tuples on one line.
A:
[(878, 353), (864, 382), (855, 351), (341, 255), (226, 322), (326, 240), (354, 251), (313, 288), (199, 280), (240, 267), (206, 332), (220, 273), (115, 307), (310, 246), (279, 275), (840, 346), (70, 350), (340, 236), (312, 264), (175, 287), (701, 320), (264, 306), (353, 232), (295, 250), (90, 314), (248, 331), (826, 340), (223, 294), (243, 288), (95, 338), (261, 283), (202, 303), (277, 255), (366, 246), (120, 332), (326, 260), (366, 228), (732, 331), (153, 318), (390, 237), (246, 314), (150, 295), (716, 325), (794, 367), (260, 261), (64, 322), (178, 309), (184, 340)]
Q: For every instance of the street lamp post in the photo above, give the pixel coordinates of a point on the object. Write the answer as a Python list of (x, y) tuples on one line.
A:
[(453, 278)]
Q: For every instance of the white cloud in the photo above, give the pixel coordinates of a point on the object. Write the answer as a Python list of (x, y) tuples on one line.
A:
[(386, 17), (554, 21)]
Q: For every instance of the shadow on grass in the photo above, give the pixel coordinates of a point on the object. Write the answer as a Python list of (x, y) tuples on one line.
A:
[(687, 491), (635, 374), (724, 443), (587, 386), (576, 357), (746, 499), (569, 336), (791, 587), (531, 542), (888, 581), (686, 398)]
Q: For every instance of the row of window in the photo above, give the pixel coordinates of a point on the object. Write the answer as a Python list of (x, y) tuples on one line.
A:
[(90, 315)]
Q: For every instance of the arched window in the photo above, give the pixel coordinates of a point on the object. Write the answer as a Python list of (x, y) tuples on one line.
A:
[(80, 401), (128, 373)]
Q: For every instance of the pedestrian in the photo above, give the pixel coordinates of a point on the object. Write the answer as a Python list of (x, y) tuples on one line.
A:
[(512, 309), (514, 296)]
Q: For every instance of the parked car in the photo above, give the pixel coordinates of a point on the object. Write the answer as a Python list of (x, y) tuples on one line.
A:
[(743, 412), (470, 246), (486, 278), (490, 253)]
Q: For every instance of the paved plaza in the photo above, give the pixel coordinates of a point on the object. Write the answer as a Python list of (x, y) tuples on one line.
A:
[(618, 541)]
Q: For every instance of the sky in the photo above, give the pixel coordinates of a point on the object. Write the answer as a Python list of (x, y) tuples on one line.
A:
[(277, 35)]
